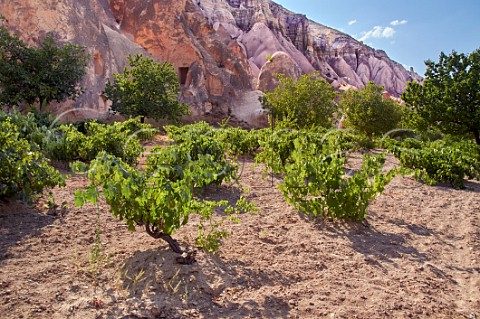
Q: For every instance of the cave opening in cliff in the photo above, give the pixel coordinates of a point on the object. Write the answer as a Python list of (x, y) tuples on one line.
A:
[(183, 71)]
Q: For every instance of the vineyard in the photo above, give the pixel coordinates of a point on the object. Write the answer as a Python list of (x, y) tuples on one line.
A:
[(119, 221)]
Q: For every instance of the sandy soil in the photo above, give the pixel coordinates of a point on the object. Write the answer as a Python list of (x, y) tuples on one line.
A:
[(417, 255)]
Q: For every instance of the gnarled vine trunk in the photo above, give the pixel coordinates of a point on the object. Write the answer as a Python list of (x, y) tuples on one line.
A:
[(187, 257)]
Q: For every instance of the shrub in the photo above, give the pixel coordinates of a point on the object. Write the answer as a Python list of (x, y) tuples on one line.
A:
[(305, 103), (317, 184), (368, 112), (24, 171)]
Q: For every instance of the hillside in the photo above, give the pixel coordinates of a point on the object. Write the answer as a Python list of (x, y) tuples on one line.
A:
[(218, 47)]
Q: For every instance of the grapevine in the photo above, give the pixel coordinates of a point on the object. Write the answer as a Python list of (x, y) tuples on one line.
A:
[(317, 183), (121, 139), (24, 171), (438, 161), (162, 197)]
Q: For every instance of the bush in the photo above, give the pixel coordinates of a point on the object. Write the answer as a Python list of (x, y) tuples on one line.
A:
[(193, 143), (368, 112), (439, 161), (162, 197), (120, 139), (317, 183), (237, 140), (24, 171), (277, 146), (30, 75), (305, 103), (448, 98), (27, 127), (147, 89)]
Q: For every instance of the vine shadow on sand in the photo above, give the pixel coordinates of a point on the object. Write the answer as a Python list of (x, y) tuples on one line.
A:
[(377, 246), (206, 287), (18, 221)]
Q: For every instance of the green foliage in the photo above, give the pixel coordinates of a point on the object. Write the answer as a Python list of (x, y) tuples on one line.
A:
[(28, 128), (174, 160), (408, 143), (209, 229), (109, 138), (277, 146), (81, 125), (439, 161), (313, 165), (238, 141), (31, 75), (24, 172), (141, 131), (170, 161), (305, 103), (209, 232), (317, 183), (156, 198), (43, 118), (147, 89), (412, 120), (163, 196), (449, 98), (368, 112), (181, 134), (67, 143), (195, 144), (120, 139), (346, 140)]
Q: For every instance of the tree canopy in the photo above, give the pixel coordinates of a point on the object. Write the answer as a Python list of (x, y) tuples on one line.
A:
[(302, 103), (146, 89), (368, 112), (449, 98), (30, 74)]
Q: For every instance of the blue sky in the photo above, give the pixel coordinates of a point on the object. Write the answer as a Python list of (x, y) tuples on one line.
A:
[(410, 31)]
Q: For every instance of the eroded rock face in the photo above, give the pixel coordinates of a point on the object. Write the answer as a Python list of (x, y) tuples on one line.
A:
[(212, 64), (84, 22), (218, 47), (264, 28), (279, 63)]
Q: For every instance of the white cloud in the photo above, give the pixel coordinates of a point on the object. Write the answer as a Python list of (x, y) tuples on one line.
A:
[(352, 22), (398, 22), (388, 32), (378, 32)]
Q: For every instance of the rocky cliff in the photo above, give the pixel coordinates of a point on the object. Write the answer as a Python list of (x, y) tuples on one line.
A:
[(219, 47), (85, 22)]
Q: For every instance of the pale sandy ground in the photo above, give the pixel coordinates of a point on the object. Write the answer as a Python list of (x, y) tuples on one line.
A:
[(417, 255)]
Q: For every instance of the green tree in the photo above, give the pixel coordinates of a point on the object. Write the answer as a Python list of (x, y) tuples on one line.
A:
[(302, 103), (449, 98), (147, 89), (31, 75), (368, 112)]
